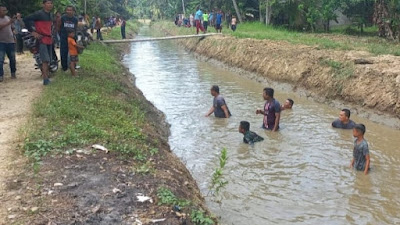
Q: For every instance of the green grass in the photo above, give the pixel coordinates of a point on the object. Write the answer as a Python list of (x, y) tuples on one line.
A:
[(76, 112), (115, 33), (341, 38), (341, 71)]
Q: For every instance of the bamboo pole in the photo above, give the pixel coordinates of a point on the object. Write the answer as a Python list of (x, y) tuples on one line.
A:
[(160, 38)]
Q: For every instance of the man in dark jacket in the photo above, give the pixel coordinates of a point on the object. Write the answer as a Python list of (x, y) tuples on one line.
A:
[(42, 20), (68, 22)]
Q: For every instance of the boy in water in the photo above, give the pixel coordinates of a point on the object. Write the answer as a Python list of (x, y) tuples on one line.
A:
[(73, 51), (361, 158), (288, 104), (249, 137), (219, 108)]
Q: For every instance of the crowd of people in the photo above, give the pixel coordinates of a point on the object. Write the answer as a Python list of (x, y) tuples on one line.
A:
[(51, 31), (203, 20), (271, 118)]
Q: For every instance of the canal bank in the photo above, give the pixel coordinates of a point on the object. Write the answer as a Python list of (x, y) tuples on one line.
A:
[(299, 175), (137, 180), (367, 84)]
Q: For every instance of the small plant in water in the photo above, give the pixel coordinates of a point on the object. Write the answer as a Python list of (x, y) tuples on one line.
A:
[(166, 197), (198, 217), (217, 180)]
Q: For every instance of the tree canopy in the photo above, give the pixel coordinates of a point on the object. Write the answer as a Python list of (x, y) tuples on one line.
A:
[(294, 14)]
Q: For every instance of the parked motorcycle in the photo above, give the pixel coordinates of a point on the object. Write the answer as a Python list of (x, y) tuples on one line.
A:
[(33, 45), (83, 37)]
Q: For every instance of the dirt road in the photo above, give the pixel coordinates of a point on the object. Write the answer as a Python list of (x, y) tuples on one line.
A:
[(16, 98)]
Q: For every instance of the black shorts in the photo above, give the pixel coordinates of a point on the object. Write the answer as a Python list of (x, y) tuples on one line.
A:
[(218, 27), (74, 58)]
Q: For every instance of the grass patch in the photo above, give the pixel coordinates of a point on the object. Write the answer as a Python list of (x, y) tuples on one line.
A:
[(197, 216), (76, 112), (341, 70)]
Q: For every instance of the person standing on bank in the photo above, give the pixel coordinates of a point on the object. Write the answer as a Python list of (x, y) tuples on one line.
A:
[(43, 22), (98, 28), (7, 43), (18, 26), (123, 26), (219, 108), (68, 22), (271, 111)]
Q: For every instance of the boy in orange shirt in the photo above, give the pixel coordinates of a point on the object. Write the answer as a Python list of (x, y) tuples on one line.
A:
[(73, 51)]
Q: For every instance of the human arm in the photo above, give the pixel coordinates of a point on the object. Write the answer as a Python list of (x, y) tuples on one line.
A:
[(352, 163), (226, 111), (11, 21), (367, 160), (277, 118), (29, 23), (260, 111), (210, 111)]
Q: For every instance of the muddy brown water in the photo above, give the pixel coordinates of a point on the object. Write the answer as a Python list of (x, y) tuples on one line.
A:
[(299, 175)]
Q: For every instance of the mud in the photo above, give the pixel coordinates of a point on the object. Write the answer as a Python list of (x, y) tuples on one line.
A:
[(330, 76)]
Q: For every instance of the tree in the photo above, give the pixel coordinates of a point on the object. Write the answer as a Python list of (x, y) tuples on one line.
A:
[(237, 11)]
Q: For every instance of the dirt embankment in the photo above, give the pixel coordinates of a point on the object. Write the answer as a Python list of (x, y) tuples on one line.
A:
[(370, 85), (86, 186)]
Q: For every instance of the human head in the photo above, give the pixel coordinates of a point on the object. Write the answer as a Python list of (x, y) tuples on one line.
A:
[(71, 33), (268, 93), (18, 15), (214, 90), (3, 11), (344, 115), (47, 5), (288, 103), (244, 127), (70, 10), (359, 130)]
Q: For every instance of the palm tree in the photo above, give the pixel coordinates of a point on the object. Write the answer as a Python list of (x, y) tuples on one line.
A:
[(237, 11)]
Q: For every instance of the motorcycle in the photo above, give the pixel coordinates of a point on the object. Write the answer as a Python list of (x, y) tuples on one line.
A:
[(32, 44), (83, 37)]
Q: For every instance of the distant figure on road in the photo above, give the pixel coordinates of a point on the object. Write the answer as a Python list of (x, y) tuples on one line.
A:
[(98, 29), (344, 121), (233, 24), (219, 108), (123, 26), (271, 111), (197, 19), (7, 42), (218, 21), (361, 158), (288, 104), (249, 137), (205, 21)]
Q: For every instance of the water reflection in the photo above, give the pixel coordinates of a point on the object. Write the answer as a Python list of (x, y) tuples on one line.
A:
[(299, 175)]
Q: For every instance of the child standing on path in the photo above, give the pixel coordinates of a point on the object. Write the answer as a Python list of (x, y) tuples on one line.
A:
[(73, 51), (361, 158), (249, 137)]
